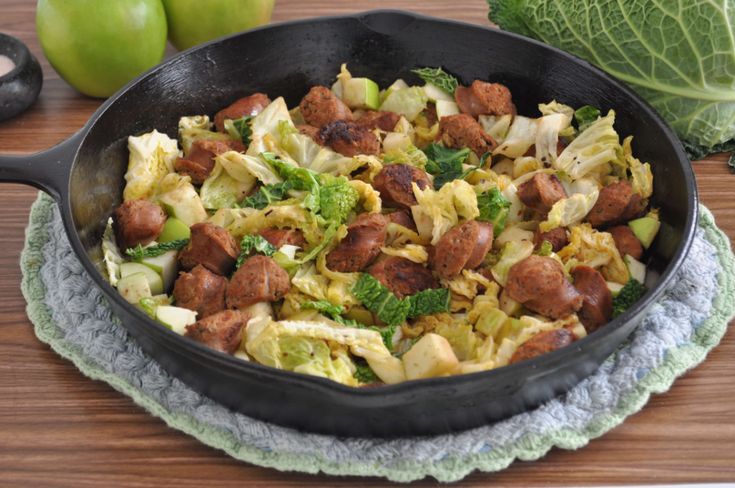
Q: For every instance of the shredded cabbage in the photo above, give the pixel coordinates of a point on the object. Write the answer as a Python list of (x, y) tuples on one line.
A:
[(152, 156), (439, 211), (594, 147)]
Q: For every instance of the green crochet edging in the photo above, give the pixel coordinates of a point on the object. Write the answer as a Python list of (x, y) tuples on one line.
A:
[(677, 361)]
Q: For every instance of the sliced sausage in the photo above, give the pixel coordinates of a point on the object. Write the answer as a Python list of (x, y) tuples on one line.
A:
[(483, 98), (539, 283), (541, 192), (597, 307), (541, 343), (250, 105), (320, 107), (212, 247), (557, 237), (382, 120), (626, 241), (199, 163), (393, 182), (365, 236), (349, 139), (402, 276), (402, 217), (462, 247), (137, 222), (259, 279), (616, 205), (461, 130), (201, 290), (281, 237), (222, 331)]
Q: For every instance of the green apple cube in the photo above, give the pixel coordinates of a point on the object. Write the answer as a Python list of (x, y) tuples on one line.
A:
[(175, 318), (361, 93), (636, 269), (134, 287), (645, 229), (155, 282), (435, 94), (174, 230), (165, 265)]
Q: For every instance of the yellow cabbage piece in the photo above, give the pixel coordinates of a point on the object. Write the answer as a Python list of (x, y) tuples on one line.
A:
[(439, 211), (591, 150), (311, 283), (369, 197), (152, 156), (263, 344), (289, 214), (513, 252), (413, 252), (569, 211), (248, 169), (641, 178), (461, 337), (547, 136), (223, 190), (520, 137), (496, 125), (595, 249)]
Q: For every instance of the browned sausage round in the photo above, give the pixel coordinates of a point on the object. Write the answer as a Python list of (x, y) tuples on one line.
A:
[(250, 105), (198, 164), (596, 308), (365, 236), (222, 331), (259, 279), (320, 107), (212, 247), (557, 237), (201, 291), (461, 130), (626, 241), (137, 222), (483, 98), (539, 283), (402, 276), (541, 192), (462, 247), (394, 184), (541, 343), (349, 139), (310, 131), (402, 217), (616, 204), (281, 237), (382, 120)]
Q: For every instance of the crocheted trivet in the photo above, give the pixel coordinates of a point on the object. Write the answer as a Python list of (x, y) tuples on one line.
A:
[(72, 316)]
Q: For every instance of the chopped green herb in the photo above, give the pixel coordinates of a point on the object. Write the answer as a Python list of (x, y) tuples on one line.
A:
[(584, 116), (139, 252), (254, 244), (439, 78), (446, 164), (493, 208)]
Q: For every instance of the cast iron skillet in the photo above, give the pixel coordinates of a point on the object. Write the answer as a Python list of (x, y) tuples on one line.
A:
[(85, 176)]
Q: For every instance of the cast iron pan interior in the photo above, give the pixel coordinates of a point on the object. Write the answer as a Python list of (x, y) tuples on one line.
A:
[(286, 60)]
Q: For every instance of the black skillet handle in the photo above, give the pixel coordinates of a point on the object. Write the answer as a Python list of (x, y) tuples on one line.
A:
[(47, 170), (387, 22)]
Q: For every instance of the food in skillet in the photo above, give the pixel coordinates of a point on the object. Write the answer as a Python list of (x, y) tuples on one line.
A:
[(374, 236)]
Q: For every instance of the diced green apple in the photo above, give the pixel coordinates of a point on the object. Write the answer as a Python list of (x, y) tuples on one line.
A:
[(176, 318), (155, 282), (645, 229), (134, 287), (636, 269), (165, 265), (174, 230), (361, 93)]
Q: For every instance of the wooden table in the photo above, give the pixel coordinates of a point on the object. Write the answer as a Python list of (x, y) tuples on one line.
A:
[(58, 428)]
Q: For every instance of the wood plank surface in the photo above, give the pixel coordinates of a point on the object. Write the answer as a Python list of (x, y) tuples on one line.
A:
[(58, 428)]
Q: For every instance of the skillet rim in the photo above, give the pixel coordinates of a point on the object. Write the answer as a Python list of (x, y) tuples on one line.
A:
[(524, 370)]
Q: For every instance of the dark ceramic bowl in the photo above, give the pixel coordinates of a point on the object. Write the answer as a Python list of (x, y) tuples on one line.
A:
[(20, 87), (85, 175)]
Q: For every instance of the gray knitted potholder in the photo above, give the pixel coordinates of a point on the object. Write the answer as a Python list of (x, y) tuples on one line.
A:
[(72, 316)]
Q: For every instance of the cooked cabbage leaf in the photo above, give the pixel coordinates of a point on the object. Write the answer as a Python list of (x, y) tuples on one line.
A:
[(680, 56), (597, 145), (493, 208), (445, 163), (152, 156), (569, 211), (439, 211), (439, 78)]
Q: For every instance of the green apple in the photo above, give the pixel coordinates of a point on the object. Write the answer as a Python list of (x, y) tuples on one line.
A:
[(191, 22), (97, 46)]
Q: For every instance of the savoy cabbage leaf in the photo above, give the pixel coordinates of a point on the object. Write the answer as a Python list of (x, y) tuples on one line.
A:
[(680, 56)]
